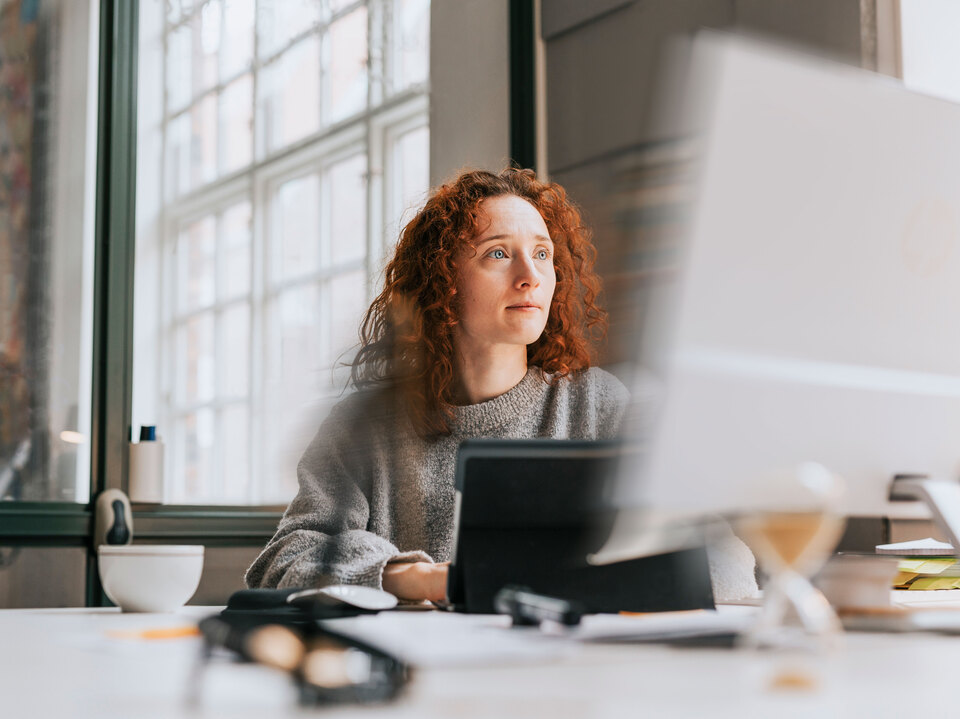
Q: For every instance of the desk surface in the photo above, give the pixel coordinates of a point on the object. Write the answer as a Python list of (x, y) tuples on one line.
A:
[(91, 663)]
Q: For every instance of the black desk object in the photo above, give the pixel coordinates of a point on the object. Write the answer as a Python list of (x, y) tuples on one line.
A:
[(529, 513)]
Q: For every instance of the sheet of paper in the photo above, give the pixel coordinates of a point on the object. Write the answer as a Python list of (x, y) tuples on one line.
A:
[(441, 639), (664, 625), (928, 546), (926, 566)]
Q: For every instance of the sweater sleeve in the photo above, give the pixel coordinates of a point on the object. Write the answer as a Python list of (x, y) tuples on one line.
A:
[(322, 538)]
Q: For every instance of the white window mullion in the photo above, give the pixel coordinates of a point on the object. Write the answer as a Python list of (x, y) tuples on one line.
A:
[(168, 429), (375, 94), (376, 231), (326, 334), (377, 64), (218, 351), (259, 346)]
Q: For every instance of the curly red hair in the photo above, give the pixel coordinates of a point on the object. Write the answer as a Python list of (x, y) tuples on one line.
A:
[(407, 334)]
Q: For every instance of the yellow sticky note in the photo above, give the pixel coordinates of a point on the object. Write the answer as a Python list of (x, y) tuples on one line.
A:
[(904, 578), (926, 566), (935, 566), (931, 583)]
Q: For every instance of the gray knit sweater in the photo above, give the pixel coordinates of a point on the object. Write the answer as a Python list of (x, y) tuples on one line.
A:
[(373, 492)]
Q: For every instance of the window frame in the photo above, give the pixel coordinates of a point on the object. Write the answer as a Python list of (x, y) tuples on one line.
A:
[(372, 132)]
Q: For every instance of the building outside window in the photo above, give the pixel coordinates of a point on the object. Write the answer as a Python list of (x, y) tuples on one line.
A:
[(280, 145)]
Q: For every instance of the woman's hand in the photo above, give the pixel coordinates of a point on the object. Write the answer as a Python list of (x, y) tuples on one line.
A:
[(416, 580)]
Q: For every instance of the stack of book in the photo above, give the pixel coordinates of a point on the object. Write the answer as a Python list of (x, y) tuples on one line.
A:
[(925, 564)]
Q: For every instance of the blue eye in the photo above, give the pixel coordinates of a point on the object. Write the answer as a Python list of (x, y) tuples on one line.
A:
[(497, 254), (543, 255)]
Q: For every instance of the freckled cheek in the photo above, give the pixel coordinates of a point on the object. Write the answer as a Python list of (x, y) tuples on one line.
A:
[(477, 302)]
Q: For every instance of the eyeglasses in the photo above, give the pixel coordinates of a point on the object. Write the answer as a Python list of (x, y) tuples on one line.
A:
[(327, 666)]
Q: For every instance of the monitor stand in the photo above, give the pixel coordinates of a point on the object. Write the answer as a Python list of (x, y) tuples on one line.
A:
[(942, 496)]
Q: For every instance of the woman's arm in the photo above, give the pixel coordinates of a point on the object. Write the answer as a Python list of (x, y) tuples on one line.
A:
[(323, 538)]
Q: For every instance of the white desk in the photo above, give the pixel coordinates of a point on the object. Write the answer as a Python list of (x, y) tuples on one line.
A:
[(71, 663)]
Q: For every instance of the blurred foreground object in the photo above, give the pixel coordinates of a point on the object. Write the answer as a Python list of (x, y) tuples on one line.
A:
[(328, 667), (811, 319)]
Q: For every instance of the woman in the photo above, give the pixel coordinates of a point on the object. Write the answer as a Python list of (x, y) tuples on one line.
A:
[(484, 329)]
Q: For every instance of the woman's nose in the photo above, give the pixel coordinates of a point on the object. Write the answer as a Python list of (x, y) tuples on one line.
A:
[(526, 274)]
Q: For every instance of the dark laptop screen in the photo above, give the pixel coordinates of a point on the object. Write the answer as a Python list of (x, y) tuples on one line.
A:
[(530, 511)]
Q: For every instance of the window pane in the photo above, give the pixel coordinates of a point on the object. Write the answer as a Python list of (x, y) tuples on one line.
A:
[(346, 226), (234, 278), (290, 95), (179, 63), (203, 142), (178, 9), (197, 260), (336, 6), (236, 125), (279, 21), (412, 39), (348, 301), (233, 368), (234, 451), (236, 50), (295, 241), (297, 342), (345, 66), (194, 459), (206, 45), (412, 172), (192, 58), (47, 176), (179, 139), (292, 384), (195, 361)]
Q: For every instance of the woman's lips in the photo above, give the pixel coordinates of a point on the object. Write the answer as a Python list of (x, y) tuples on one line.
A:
[(524, 308)]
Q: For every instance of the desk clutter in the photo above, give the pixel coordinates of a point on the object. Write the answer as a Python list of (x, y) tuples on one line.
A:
[(928, 574), (863, 581), (281, 629), (924, 564)]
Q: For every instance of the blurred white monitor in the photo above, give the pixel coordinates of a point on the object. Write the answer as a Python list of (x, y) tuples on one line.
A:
[(818, 314)]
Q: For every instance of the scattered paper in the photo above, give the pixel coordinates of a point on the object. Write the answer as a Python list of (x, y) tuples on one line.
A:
[(439, 639), (932, 583), (903, 579), (928, 547), (926, 566)]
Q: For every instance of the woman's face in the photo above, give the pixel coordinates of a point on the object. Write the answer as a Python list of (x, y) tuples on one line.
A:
[(506, 280)]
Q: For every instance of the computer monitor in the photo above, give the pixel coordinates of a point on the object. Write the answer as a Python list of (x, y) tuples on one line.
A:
[(818, 313)]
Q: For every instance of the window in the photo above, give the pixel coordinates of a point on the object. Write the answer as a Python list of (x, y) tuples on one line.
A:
[(280, 144), (48, 146)]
